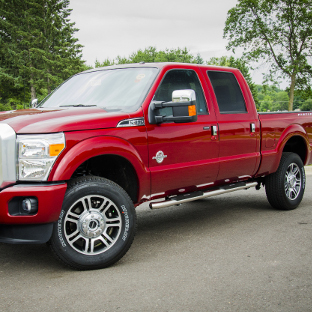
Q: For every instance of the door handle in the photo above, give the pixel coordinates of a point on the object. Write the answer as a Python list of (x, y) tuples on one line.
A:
[(252, 128), (214, 130)]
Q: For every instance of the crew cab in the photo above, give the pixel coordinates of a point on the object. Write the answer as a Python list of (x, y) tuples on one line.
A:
[(73, 169)]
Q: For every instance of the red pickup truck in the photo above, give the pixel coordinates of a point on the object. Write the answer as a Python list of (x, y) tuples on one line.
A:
[(73, 169)]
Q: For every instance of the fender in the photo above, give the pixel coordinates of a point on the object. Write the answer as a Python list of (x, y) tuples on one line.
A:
[(289, 132), (97, 146), (271, 159)]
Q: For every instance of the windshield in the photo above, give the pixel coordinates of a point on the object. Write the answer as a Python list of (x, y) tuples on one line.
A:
[(112, 89)]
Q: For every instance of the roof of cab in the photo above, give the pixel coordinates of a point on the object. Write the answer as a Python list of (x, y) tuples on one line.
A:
[(160, 65)]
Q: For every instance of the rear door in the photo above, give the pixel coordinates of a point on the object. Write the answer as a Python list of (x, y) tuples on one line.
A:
[(238, 125)]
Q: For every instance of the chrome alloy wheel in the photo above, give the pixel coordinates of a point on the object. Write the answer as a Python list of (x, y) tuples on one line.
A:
[(92, 225), (293, 181)]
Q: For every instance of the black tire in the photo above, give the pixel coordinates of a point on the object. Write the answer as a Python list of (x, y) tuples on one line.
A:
[(96, 225), (285, 187)]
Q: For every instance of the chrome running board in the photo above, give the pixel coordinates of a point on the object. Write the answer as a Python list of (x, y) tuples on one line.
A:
[(185, 198)]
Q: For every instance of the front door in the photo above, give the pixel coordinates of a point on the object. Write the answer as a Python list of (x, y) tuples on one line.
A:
[(182, 156)]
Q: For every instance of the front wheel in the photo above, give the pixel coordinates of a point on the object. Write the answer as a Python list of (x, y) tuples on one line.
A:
[(96, 225), (285, 187)]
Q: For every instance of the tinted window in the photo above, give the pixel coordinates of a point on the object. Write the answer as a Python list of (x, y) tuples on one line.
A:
[(181, 80), (228, 92)]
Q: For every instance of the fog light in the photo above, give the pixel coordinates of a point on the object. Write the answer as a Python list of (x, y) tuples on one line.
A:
[(30, 205)]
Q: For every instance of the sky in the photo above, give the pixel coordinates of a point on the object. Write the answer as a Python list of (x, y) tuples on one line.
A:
[(121, 27)]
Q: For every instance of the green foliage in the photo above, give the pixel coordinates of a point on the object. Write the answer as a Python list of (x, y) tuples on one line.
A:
[(281, 100), (5, 107), (37, 48), (150, 55), (106, 62), (273, 99), (220, 61), (266, 104), (199, 59), (277, 31), (307, 105)]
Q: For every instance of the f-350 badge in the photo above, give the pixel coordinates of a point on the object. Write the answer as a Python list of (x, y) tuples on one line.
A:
[(160, 156)]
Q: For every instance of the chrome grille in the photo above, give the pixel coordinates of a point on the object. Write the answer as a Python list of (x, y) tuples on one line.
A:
[(7, 155)]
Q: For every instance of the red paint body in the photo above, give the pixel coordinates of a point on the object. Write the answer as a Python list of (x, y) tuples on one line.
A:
[(196, 159)]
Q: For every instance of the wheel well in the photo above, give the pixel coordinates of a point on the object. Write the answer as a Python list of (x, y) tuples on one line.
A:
[(296, 144), (114, 168)]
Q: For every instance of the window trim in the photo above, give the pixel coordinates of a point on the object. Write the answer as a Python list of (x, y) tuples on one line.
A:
[(200, 82)]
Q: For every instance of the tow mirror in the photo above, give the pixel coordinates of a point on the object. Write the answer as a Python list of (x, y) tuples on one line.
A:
[(34, 103), (183, 96), (183, 106)]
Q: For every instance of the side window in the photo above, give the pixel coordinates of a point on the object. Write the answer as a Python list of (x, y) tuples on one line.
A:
[(180, 79), (228, 92)]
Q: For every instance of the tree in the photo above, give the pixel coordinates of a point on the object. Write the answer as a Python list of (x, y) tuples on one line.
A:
[(277, 31), (37, 47), (151, 54), (199, 59), (9, 83), (280, 101), (62, 52), (307, 105), (242, 66), (266, 104)]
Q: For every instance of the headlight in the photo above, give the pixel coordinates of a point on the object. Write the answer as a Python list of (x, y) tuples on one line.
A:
[(37, 154)]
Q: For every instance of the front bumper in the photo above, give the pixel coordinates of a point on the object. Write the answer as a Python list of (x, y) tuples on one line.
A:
[(25, 233), (19, 228)]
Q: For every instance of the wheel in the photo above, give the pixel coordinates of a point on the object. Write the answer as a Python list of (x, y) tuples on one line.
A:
[(285, 187), (96, 225)]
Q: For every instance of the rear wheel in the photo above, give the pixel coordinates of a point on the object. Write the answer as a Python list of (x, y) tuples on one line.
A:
[(285, 187), (96, 225)]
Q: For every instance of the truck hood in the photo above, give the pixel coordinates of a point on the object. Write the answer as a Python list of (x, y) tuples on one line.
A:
[(44, 120)]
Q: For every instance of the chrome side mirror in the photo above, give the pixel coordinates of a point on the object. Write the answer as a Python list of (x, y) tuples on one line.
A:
[(186, 95), (34, 103)]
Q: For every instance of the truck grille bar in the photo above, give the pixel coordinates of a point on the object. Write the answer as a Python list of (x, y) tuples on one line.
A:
[(7, 155)]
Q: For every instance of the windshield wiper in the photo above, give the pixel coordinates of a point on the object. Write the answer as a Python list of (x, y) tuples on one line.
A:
[(77, 105)]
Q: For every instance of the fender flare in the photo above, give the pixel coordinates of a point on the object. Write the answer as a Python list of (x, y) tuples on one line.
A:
[(98, 146), (273, 157), (288, 133)]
